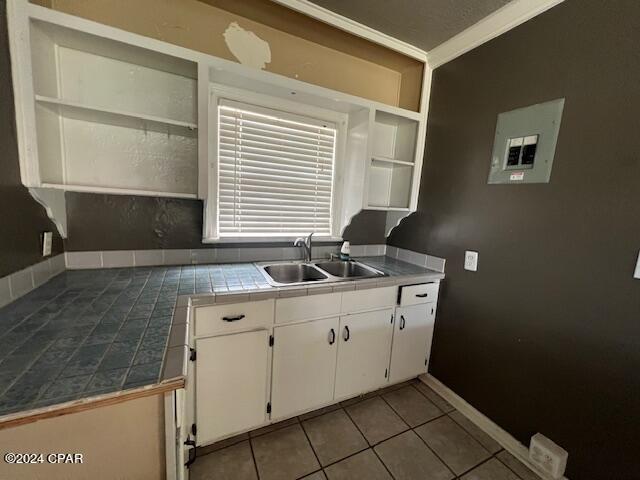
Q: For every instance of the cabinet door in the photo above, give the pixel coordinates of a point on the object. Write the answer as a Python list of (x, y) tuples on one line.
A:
[(364, 347), (231, 384), (412, 336), (304, 366)]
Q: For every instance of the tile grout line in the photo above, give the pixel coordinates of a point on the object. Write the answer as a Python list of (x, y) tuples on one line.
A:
[(369, 446), (81, 344), (253, 456), (470, 434), (415, 433), (372, 446), (310, 444), (46, 349), (507, 466)]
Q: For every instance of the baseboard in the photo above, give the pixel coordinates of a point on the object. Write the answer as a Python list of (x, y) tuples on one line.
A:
[(504, 438)]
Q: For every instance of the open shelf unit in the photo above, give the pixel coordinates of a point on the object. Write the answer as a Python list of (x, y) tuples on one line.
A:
[(112, 117), (103, 110), (391, 169)]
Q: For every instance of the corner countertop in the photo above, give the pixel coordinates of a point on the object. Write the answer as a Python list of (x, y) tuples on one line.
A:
[(90, 337)]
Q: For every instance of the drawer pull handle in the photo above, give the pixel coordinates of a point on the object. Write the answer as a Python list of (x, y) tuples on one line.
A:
[(346, 334), (233, 319), (403, 322), (332, 336), (422, 295)]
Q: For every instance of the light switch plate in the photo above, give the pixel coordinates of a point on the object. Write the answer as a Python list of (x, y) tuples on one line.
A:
[(47, 239), (471, 261), (637, 272)]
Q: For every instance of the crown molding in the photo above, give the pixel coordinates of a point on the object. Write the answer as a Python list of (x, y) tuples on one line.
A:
[(502, 20)]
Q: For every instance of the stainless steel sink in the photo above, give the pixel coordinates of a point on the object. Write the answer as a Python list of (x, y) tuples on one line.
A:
[(298, 273), (289, 273), (344, 269)]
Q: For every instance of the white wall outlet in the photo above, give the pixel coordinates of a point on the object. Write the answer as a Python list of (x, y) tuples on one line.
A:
[(471, 261), (548, 456), (637, 272), (47, 239)]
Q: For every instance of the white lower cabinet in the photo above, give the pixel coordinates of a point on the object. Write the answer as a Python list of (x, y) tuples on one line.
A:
[(304, 365), (312, 362), (412, 336), (364, 346), (231, 384)]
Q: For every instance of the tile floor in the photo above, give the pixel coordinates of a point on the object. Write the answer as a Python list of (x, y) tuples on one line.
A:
[(401, 432)]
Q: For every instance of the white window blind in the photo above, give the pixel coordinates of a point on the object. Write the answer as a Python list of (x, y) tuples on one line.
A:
[(275, 174)]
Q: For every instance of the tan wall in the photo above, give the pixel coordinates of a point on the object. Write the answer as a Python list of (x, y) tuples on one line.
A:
[(340, 62), (123, 441)]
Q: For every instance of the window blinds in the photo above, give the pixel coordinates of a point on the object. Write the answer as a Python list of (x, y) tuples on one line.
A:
[(275, 174)]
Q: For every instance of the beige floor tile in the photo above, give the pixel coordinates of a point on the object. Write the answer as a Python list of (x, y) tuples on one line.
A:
[(320, 411), (476, 432), (414, 408), (517, 466), (273, 427), (231, 463), (491, 470), (459, 450), (440, 402), (408, 458), (334, 436), (376, 420), (394, 387), (284, 454), (227, 442), (315, 476), (363, 466)]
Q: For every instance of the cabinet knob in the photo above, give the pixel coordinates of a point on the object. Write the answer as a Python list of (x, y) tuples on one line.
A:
[(403, 322), (332, 336), (422, 295), (233, 319)]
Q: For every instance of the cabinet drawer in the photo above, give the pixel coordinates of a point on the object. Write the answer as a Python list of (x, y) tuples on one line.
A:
[(233, 317), (415, 294), (307, 307), (371, 299)]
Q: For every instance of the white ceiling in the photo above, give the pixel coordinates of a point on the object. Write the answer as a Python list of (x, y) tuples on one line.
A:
[(423, 23)]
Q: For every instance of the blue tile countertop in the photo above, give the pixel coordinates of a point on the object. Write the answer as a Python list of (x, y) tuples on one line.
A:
[(92, 332)]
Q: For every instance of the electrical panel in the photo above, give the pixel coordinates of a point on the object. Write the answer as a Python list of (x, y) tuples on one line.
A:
[(525, 143)]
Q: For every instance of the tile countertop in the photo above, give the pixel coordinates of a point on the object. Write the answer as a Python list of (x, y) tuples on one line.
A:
[(90, 333)]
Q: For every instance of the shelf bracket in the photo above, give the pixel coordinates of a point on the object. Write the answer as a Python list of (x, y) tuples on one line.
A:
[(394, 219), (54, 204)]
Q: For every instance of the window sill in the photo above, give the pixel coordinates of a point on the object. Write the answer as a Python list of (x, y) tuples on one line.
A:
[(224, 240)]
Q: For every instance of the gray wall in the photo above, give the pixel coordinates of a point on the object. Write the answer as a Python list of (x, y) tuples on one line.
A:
[(22, 219), (546, 335), (120, 222)]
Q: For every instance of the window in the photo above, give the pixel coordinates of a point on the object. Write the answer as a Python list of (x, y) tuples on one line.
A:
[(275, 172)]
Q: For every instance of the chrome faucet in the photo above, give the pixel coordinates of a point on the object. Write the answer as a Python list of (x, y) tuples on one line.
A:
[(306, 245)]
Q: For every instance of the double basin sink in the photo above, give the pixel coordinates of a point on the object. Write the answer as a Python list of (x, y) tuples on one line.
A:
[(281, 274)]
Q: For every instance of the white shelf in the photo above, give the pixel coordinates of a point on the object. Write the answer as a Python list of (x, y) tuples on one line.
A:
[(387, 209), (377, 158), (116, 191), (106, 112)]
